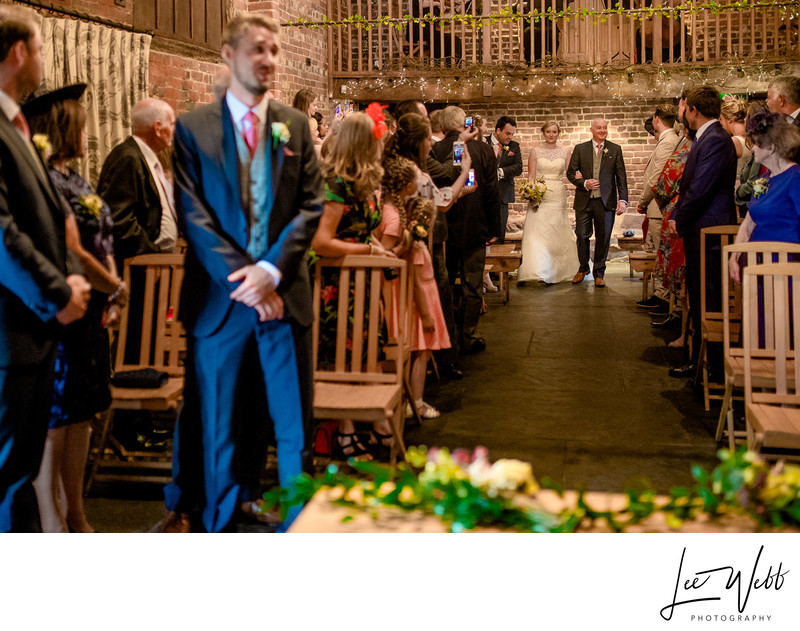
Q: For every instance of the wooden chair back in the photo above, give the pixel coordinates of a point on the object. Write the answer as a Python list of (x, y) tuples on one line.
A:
[(771, 319), (357, 357), (758, 253), (162, 335), (726, 236)]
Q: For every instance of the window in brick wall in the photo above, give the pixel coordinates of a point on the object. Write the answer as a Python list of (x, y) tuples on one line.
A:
[(197, 22)]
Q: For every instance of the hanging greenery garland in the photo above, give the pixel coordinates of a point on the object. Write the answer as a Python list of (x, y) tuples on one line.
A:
[(507, 15)]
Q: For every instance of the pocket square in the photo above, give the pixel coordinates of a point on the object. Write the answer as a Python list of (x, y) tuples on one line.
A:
[(288, 152), (511, 153)]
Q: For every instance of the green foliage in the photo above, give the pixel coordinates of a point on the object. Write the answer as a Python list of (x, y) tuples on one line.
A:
[(466, 493)]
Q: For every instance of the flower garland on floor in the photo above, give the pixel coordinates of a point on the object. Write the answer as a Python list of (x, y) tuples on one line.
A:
[(465, 491)]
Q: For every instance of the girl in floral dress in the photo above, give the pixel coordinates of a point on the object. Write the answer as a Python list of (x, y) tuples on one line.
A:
[(352, 171)]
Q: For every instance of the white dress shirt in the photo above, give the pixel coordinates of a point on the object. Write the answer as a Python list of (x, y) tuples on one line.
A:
[(794, 115), (703, 128), (168, 234), (238, 112)]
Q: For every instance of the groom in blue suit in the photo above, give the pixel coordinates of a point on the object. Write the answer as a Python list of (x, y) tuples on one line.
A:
[(249, 198)]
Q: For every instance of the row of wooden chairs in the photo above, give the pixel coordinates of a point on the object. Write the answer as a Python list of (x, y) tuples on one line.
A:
[(370, 390)]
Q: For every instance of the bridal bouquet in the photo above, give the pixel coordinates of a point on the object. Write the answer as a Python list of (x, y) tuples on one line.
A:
[(532, 191)]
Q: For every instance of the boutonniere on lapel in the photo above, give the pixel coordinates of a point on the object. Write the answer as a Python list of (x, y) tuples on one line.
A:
[(92, 203), (605, 151), (43, 146), (505, 149), (760, 187), (280, 134)]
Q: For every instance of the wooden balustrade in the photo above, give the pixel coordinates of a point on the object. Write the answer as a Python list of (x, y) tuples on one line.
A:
[(617, 38)]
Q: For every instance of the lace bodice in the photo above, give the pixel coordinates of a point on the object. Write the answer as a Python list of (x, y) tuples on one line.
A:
[(551, 164)]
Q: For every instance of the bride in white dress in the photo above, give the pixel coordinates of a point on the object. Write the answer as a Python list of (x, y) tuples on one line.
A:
[(549, 253)]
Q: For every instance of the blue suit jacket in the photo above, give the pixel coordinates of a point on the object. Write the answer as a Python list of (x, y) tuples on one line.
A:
[(707, 186), (209, 205)]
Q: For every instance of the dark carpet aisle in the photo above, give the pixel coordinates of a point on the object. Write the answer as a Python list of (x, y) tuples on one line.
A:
[(576, 381), (573, 379)]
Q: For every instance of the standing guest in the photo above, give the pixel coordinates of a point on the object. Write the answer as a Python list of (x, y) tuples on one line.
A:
[(732, 118), (353, 173), (83, 367), (472, 223), (509, 165), (305, 101), (663, 120), (670, 258), (37, 291), (774, 213), (596, 197), (408, 107), (548, 241), (436, 126), (750, 171), (249, 196), (322, 126), (706, 199), (441, 181), (783, 97), (132, 183)]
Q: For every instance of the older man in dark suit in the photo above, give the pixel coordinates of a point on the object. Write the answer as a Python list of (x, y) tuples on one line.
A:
[(36, 290), (509, 165), (249, 197), (472, 222), (783, 96), (601, 190), (706, 199)]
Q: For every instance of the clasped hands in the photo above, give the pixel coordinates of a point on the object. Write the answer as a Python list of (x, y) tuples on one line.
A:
[(257, 290)]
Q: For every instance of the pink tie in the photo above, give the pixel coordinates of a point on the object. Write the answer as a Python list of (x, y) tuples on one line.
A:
[(498, 150), (599, 149), (22, 125), (251, 133)]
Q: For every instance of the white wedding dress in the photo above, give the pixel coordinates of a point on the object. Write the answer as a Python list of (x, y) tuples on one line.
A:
[(549, 253)]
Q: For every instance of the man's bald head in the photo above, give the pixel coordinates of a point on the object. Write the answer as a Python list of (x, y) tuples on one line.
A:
[(153, 121)]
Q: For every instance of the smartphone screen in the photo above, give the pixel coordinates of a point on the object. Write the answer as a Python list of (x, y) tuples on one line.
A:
[(458, 152), (468, 122), (338, 110), (471, 178)]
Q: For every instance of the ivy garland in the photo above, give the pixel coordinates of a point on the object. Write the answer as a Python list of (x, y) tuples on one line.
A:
[(449, 487), (507, 15)]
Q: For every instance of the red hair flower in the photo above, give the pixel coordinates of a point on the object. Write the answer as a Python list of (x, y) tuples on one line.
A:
[(375, 112)]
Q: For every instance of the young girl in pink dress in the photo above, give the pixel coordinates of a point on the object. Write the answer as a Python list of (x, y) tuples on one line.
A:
[(428, 329)]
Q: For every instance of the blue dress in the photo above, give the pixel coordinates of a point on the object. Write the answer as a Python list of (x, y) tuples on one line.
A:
[(83, 366), (776, 212)]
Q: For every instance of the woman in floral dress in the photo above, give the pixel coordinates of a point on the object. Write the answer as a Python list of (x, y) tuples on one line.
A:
[(352, 171), (83, 367)]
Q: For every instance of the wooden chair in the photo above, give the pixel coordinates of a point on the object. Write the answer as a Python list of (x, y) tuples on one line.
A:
[(711, 322), (772, 333), (161, 348), (644, 262), (501, 259), (757, 253), (355, 388)]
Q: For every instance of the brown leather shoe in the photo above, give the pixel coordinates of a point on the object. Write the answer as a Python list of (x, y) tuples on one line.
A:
[(578, 278), (177, 522), (599, 282)]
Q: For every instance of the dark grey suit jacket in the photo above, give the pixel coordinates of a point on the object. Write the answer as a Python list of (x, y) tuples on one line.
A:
[(613, 179), (33, 257)]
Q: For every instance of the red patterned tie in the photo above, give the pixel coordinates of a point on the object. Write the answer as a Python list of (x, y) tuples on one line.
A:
[(22, 125), (251, 133)]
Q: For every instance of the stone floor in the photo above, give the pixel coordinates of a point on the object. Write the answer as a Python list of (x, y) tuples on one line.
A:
[(573, 380)]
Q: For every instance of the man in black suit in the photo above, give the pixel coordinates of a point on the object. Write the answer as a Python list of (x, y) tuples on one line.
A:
[(132, 183), (509, 165), (249, 198), (37, 293), (601, 190), (783, 96), (472, 222), (705, 199)]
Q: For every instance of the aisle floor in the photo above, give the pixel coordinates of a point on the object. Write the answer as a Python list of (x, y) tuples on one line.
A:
[(573, 379)]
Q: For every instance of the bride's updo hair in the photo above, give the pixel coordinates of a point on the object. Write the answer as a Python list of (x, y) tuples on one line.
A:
[(550, 124)]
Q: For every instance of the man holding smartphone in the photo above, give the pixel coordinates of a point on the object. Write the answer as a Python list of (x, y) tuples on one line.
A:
[(472, 221), (509, 165)]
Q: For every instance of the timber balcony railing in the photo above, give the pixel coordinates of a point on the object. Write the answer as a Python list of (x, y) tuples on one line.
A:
[(369, 37)]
